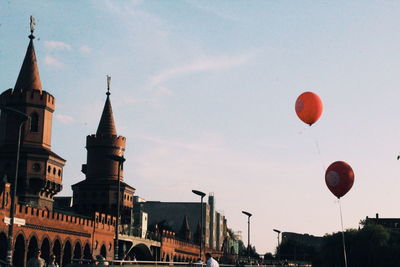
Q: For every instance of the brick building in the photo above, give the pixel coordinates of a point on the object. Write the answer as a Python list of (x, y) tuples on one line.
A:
[(37, 224), (82, 226)]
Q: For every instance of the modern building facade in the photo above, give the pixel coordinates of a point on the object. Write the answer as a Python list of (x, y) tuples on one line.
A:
[(170, 216)]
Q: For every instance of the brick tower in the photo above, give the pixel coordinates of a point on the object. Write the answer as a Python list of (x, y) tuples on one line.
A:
[(40, 169), (99, 191)]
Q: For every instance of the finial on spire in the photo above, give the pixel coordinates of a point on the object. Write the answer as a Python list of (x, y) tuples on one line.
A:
[(32, 25), (108, 85)]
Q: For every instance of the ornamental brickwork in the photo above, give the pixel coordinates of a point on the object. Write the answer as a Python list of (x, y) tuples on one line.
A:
[(64, 235)]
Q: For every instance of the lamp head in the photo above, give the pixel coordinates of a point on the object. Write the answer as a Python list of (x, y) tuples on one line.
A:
[(277, 231), (199, 193), (247, 213)]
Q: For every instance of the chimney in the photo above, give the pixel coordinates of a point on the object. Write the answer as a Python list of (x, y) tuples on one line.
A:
[(377, 216)]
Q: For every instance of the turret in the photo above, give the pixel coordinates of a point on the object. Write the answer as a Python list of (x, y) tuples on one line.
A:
[(102, 144), (40, 169), (98, 192)]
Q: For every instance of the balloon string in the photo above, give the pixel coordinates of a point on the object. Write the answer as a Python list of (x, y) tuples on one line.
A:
[(319, 153), (318, 150), (344, 243)]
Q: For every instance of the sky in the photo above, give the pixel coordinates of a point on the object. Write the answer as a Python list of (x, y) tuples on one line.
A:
[(204, 92)]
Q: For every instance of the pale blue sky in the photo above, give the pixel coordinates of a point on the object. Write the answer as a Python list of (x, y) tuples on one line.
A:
[(204, 92)]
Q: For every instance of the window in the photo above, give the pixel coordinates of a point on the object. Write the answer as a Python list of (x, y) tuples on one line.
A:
[(36, 167), (34, 122)]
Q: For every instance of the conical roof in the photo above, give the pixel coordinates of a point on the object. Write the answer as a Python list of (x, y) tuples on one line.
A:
[(197, 234), (184, 232), (28, 78), (107, 125)]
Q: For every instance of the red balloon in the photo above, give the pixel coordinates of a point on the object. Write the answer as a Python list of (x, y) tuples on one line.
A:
[(339, 177), (309, 107)]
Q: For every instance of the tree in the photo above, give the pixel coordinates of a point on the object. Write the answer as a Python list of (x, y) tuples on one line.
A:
[(268, 256), (293, 250), (373, 245)]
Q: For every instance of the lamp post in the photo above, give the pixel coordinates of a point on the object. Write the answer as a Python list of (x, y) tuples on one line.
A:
[(22, 118), (201, 194), (120, 160), (248, 214)]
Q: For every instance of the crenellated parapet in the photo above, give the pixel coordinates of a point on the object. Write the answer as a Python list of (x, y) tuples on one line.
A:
[(36, 98), (112, 141)]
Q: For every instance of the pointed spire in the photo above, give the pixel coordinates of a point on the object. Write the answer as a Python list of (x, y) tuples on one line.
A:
[(197, 234), (106, 125), (28, 78), (184, 232)]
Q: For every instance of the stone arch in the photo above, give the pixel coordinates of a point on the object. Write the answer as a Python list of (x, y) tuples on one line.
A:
[(103, 251), (175, 259), (87, 255), (77, 250), (3, 245), (19, 251), (142, 252), (33, 246), (57, 249), (45, 248), (67, 253), (167, 258)]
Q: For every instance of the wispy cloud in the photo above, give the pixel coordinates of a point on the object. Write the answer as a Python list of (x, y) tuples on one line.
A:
[(209, 160), (51, 61), (85, 49), (56, 45), (208, 64), (65, 119), (214, 11)]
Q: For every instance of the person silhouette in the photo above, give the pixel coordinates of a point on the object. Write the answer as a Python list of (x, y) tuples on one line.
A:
[(36, 260)]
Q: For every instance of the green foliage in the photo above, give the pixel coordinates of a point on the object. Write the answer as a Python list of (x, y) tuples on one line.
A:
[(373, 245)]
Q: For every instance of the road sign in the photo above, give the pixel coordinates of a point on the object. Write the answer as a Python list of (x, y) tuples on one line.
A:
[(17, 221)]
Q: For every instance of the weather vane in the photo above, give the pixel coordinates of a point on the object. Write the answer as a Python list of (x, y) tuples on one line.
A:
[(108, 84), (33, 23)]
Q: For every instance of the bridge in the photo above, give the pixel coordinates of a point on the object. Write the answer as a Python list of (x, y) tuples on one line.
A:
[(141, 248)]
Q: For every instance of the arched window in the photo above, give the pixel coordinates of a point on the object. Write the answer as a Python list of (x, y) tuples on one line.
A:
[(34, 122)]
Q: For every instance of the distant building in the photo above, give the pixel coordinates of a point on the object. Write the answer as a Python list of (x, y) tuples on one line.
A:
[(391, 223), (170, 215), (140, 222), (296, 246), (303, 239)]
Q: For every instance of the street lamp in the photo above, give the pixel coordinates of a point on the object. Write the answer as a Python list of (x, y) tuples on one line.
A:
[(120, 160), (22, 118), (201, 194), (248, 214)]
